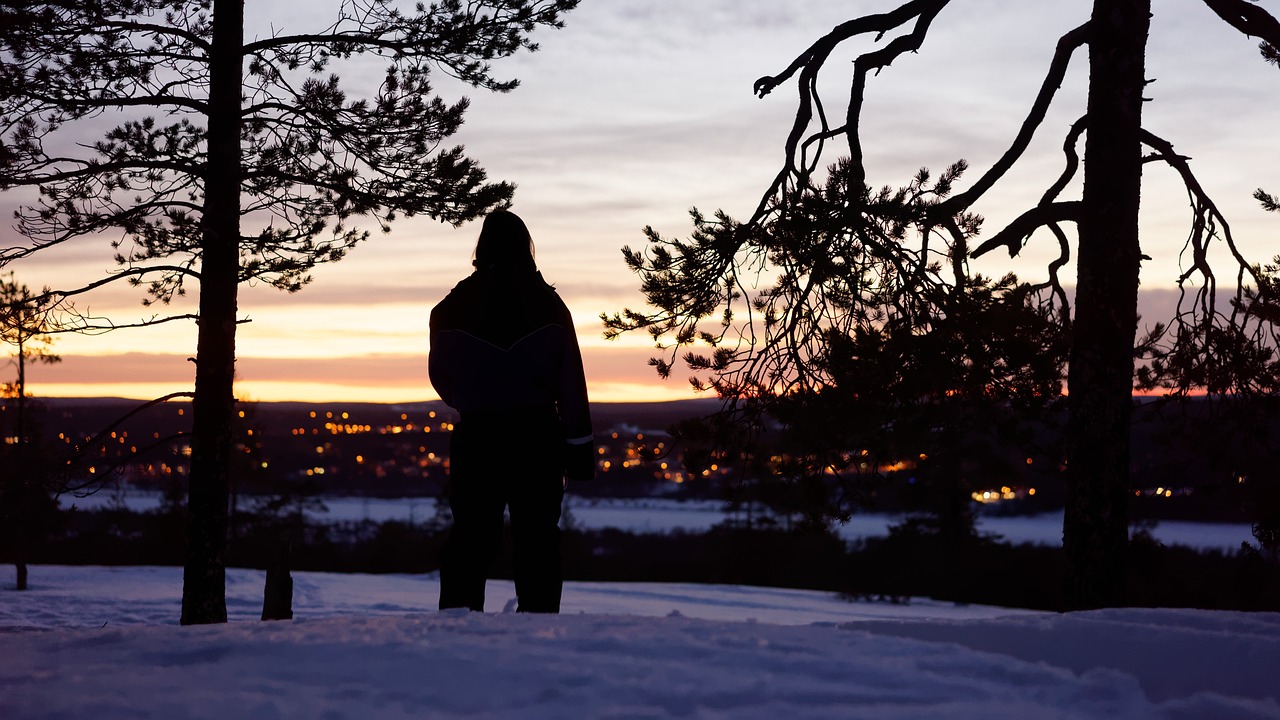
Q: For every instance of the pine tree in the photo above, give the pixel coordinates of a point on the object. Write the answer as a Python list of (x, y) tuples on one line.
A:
[(234, 160), (842, 266), (25, 501)]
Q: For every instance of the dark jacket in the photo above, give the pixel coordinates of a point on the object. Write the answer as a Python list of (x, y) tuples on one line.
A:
[(503, 340)]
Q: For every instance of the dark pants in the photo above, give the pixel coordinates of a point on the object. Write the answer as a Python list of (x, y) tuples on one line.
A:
[(511, 460)]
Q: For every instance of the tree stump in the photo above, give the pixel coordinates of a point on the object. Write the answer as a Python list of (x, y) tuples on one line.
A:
[(277, 600)]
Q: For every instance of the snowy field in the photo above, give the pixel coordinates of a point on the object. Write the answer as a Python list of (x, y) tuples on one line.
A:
[(656, 515), (101, 643)]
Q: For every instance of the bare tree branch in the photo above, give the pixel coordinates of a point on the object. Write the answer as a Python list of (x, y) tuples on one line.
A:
[(811, 61), (81, 458), (1249, 18), (1013, 235), (86, 325), (1067, 45)]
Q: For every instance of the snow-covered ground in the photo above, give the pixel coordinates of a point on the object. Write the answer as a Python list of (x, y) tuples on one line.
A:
[(656, 515), (101, 643)]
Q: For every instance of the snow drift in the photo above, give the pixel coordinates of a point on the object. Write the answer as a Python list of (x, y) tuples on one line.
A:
[(87, 643)]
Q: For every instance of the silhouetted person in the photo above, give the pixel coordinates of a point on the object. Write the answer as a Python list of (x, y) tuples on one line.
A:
[(504, 354)]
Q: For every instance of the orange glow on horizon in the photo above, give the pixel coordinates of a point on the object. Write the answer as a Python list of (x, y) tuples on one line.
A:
[(315, 392)]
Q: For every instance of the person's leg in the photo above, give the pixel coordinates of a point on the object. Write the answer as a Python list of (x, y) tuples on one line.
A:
[(476, 500), (535, 498)]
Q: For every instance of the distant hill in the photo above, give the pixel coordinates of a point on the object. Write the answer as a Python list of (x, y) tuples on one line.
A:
[(96, 412)]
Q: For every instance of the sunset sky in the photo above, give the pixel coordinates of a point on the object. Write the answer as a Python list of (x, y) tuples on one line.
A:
[(640, 109)]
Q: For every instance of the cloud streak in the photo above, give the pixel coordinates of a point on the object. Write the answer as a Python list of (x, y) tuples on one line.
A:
[(398, 374)]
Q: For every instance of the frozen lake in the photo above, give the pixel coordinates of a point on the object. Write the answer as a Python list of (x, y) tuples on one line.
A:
[(656, 515)]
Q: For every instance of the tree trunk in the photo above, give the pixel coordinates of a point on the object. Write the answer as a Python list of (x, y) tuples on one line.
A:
[(24, 469), (1100, 375), (22, 386), (204, 576)]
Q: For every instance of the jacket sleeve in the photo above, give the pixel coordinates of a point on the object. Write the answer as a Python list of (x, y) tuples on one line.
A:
[(575, 410)]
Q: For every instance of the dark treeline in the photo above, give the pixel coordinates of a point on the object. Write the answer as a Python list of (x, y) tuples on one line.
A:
[(894, 569)]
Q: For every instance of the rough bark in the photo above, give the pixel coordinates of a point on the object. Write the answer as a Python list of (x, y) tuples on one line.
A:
[(24, 468), (22, 389), (1100, 375), (204, 575)]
